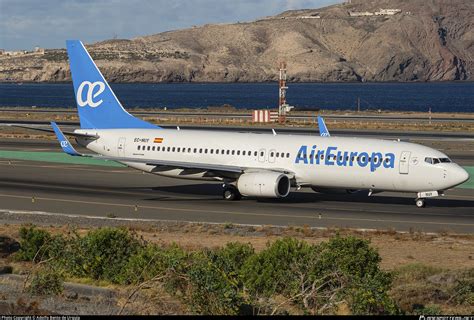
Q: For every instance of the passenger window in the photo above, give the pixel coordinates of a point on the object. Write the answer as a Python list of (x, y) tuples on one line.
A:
[(288, 155), (261, 154), (277, 154), (195, 150), (168, 149), (212, 151), (200, 150), (249, 153), (153, 149), (228, 151), (138, 147), (243, 153), (233, 152), (271, 154), (189, 150), (148, 148), (255, 153)]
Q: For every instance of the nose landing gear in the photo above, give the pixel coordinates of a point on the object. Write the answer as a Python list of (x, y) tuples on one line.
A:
[(420, 200), (420, 203)]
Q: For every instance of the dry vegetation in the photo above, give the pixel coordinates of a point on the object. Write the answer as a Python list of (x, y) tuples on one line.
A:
[(427, 268)]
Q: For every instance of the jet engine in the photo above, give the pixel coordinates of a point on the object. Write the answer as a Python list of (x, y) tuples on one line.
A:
[(266, 184)]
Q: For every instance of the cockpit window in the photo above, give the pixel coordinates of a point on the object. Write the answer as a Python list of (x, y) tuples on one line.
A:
[(437, 160)]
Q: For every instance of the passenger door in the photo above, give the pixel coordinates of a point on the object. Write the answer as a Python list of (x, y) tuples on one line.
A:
[(121, 147), (404, 162)]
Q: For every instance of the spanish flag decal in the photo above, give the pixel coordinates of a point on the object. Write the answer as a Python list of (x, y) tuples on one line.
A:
[(158, 140)]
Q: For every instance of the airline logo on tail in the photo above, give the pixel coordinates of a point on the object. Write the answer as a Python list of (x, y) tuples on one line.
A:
[(90, 96)]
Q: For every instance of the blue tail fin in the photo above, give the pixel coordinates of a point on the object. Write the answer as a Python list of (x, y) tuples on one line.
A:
[(97, 105)]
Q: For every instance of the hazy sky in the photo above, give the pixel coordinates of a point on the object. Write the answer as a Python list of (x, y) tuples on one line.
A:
[(48, 23)]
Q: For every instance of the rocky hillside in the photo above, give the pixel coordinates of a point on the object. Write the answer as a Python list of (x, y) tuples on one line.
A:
[(430, 40)]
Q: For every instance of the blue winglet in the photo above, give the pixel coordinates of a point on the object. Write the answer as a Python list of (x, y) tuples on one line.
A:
[(323, 130), (65, 144)]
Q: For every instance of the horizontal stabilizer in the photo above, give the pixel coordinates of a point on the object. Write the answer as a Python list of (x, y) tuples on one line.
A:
[(67, 133)]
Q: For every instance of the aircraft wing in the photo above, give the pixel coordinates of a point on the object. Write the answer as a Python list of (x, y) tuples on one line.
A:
[(68, 133), (165, 164)]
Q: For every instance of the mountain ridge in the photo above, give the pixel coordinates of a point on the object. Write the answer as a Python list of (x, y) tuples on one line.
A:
[(429, 40)]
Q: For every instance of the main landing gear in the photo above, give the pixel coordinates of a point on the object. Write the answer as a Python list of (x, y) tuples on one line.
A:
[(231, 193)]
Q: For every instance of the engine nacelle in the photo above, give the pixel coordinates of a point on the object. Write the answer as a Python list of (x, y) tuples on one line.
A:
[(264, 184)]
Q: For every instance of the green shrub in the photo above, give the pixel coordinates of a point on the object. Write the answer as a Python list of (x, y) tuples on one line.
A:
[(276, 269), (231, 258), (46, 282), (210, 290), (366, 286), (350, 255), (318, 277), (101, 254), (152, 261), (369, 295), (464, 288), (33, 244)]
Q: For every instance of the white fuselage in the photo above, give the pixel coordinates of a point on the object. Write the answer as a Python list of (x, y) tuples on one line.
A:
[(360, 163)]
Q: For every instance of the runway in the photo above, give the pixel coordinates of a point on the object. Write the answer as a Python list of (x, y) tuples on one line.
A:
[(123, 192)]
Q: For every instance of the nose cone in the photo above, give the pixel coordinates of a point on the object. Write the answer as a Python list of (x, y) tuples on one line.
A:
[(460, 175)]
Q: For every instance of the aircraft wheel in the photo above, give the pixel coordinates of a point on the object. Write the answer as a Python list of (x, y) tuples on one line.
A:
[(231, 193), (420, 203)]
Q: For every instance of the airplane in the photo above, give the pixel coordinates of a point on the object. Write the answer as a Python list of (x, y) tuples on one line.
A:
[(248, 164)]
